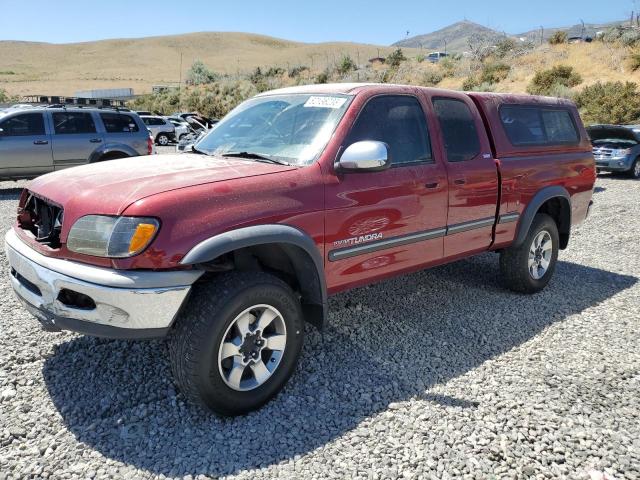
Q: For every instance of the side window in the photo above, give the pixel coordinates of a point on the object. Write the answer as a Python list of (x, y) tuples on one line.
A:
[(23, 125), (118, 123), (65, 123), (458, 126), (532, 125), (397, 120)]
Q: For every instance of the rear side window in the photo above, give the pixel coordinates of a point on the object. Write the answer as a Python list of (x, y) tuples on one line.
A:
[(118, 123), (398, 121), (532, 125), (153, 121), (65, 123), (23, 125), (458, 126)]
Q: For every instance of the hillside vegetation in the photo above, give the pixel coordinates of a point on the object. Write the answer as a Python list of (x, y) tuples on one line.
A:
[(62, 69), (601, 76)]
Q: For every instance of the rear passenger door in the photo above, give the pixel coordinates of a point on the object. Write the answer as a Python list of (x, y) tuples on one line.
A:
[(75, 138), (472, 176), (25, 147), (121, 128)]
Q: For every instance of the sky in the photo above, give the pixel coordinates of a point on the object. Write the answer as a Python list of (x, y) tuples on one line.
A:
[(59, 21)]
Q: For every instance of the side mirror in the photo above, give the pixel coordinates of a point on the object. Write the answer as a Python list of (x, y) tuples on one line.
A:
[(367, 155)]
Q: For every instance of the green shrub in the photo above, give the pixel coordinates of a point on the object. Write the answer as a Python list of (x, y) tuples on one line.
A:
[(504, 47), (634, 61), (558, 37), (297, 70), (494, 72), (545, 81), (610, 102), (346, 65), (199, 74), (323, 77), (395, 58), (470, 83), (432, 78), (448, 66), (274, 72)]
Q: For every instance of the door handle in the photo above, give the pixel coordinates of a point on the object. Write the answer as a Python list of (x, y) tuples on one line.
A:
[(95, 140), (432, 185), (40, 142), (459, 181)]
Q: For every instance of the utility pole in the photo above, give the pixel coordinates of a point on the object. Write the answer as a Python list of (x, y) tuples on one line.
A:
[(445, 46), (541, 34), (180, 81)]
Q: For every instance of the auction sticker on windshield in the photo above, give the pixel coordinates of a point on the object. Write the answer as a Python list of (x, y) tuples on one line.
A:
[(325, 102)]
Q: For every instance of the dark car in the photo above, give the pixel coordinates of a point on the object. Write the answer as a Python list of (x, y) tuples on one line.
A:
[(616, 148)]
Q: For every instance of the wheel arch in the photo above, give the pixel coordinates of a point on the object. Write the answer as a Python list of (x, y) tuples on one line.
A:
[(120, 148), (555, 201), (280, 248)]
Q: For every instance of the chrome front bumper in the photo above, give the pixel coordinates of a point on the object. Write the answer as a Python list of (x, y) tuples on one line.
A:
[(126, 304)]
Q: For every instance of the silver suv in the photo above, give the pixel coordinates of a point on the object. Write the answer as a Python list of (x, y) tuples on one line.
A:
[(161, 129), (39, 140)]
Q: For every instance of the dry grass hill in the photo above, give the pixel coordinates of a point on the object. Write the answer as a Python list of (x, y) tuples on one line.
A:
[(33, 68)]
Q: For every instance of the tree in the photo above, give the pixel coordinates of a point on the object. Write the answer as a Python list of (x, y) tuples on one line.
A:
[(199, 74), (346, 65), (610, 102), (395, 58)]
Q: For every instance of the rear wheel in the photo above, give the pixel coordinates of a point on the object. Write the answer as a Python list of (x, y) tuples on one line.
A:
[(112, 156), (237, 342), (529, 267), (162, 139)]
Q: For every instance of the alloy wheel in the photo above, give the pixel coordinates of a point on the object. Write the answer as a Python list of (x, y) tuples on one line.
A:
[(252, 347), (540, 254)]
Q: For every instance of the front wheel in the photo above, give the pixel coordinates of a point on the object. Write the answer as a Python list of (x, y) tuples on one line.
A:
[(237, 342), (529, 267), (634, 172)]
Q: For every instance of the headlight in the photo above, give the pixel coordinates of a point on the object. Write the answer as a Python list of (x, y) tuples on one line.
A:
[(621, 152), (113, 237)]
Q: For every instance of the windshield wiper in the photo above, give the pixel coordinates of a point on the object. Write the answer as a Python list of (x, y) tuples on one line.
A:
[(256, 156), (195, 150)]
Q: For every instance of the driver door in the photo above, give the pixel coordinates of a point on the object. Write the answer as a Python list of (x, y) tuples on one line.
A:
[(379, 223)]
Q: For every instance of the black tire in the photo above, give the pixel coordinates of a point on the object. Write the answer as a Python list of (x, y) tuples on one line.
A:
[(112, 156), (182, 136), (634, 171), (514, 261), (162, 139), (200, 330)]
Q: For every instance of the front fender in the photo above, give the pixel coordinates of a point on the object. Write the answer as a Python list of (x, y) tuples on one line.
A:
[(298, 246)]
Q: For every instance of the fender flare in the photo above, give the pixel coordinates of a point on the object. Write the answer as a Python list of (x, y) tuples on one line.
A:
[(111, 148), (299, 248), (547, 193)]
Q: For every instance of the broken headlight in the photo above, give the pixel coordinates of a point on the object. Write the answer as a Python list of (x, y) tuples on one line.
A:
[(113, 237)]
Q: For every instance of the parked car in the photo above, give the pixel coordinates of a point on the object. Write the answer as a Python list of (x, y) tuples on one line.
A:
[(616, 148), (182, 127), (435, 57), (162, 130), (39, 140), (297, 194)]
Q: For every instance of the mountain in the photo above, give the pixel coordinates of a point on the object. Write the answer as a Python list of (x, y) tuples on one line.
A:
[(62, 69), (456, 36), (588, 30)]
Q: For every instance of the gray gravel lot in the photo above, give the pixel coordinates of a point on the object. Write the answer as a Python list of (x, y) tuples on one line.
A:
[(439, 374)]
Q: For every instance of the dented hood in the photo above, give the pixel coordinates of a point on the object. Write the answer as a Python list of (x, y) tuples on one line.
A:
[(111, 186)]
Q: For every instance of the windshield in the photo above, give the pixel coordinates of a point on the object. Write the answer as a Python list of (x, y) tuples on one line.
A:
[(289, 128)]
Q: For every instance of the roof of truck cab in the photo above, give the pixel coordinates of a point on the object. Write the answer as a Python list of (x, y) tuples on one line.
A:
[(488, 98)]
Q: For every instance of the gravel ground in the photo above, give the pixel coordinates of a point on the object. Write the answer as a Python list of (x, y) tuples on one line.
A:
[(439, 374)]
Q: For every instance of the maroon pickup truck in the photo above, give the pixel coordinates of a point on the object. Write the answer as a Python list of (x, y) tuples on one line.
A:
[(295, 195)]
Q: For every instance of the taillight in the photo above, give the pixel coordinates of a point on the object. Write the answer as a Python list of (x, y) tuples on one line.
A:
[(149, 146)]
